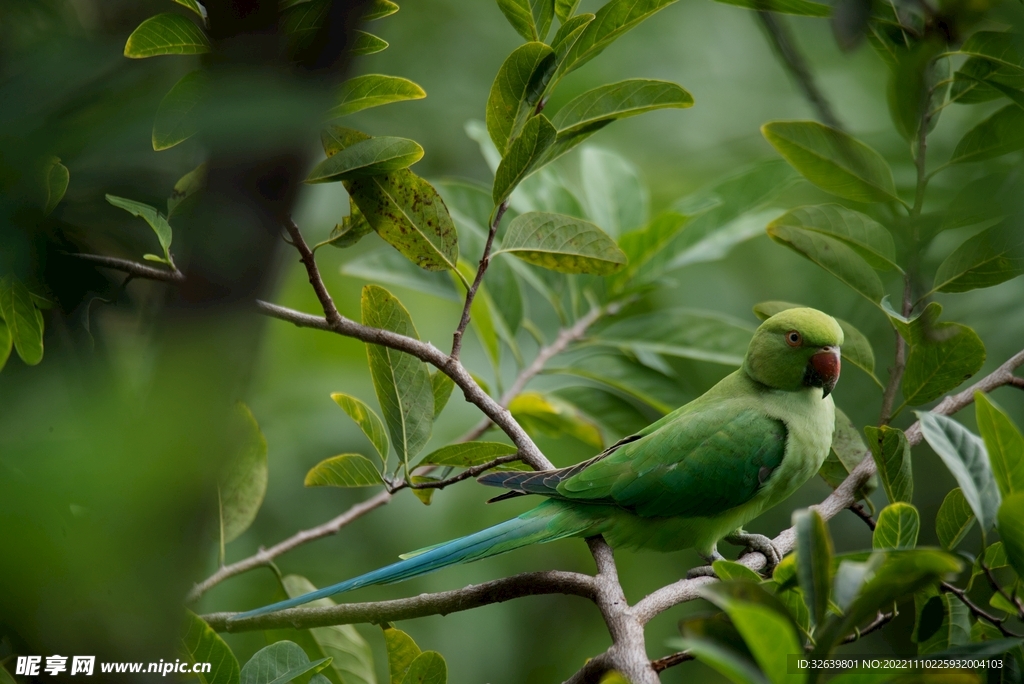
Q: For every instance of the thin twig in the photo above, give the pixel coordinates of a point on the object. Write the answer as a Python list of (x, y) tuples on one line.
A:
[(133, 268), (464, 475), (309, 261), (1016, 382), (441, 603), (1013, 600), (565, 337), (977, 610), (662, 664), (881, 620), (264, 557), (785, 47), (861, 513), (485, 260)]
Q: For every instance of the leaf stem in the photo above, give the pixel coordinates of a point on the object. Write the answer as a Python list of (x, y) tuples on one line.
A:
[(471, 290)]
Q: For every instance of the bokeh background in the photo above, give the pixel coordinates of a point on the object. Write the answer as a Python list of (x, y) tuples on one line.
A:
[(146, 508)]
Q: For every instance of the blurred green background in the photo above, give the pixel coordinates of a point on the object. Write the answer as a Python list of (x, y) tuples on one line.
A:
[(452, 48)]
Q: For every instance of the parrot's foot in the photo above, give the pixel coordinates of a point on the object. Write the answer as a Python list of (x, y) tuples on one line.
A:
[(759, 543), (705, 570)]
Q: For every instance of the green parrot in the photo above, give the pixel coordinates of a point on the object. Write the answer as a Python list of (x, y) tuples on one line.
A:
[(686, 481)]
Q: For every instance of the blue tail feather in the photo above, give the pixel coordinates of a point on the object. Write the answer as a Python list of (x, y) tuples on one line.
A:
[(532, 527)]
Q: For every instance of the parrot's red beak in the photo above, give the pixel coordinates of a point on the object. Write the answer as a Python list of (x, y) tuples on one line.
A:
[(823, 370)]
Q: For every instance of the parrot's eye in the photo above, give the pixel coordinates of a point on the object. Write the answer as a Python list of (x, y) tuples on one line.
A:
[(794, 339)]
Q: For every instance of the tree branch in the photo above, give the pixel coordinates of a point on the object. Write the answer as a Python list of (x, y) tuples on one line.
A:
[(309, 261), (265, 556), (441, 603), (485, 260), (977, 610), (785, 47), (133, 268), (662, 664), (464, 475), (428, 353), (881, 620)]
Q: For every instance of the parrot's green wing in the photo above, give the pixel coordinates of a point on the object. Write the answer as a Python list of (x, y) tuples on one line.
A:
[(700, 463)]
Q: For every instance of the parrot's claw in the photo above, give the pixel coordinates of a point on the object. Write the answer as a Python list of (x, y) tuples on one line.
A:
[(759, 543), (705, 570)]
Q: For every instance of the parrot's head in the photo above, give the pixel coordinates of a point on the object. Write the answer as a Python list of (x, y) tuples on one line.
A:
[(796, 349)]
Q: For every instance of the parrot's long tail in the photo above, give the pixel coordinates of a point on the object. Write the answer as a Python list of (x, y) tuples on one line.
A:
[(547, 522)]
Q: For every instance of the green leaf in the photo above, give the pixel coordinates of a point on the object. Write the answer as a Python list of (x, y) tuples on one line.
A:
[(186, 187), (516, 91), (428, 668), (367, 420), (943, 622), (166, 34), (195, 6), (611, 21), (999, 134), (546, 414), (55, 182), (1011, 529), (569, 32), (687, 333), (203, 645), (6, 340), (900, 574), (805, 8), (833, 160), (814, 561), (379, 9), (562, 243), (646, 247), (402, 651), (848, 450), (373, 90), (441, 386), (1003, 442), (723, 660), (344, 470), (979, 80), (244, 480), (525, 155), (861, 233), (619, 416), (389, 267), (280, 663), (1005, 49), (897, 528), (629, 378), (408, 213), (351, 230), (151, 216), (467, 454), (917, 88), (964, 454), (23, 322), (991, 257), (942, 355), (401, 381), (364, 43), (891, 451), (727, 570), (564, 9), (373, 157), (599, 107), (530, 18), (351, 657), (954, 519), (617, 199), (856, 347), (769, 635), (176, 118), (834, 256)]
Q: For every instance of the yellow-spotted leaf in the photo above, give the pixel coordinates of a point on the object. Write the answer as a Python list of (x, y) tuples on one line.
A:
[(373, 157)]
